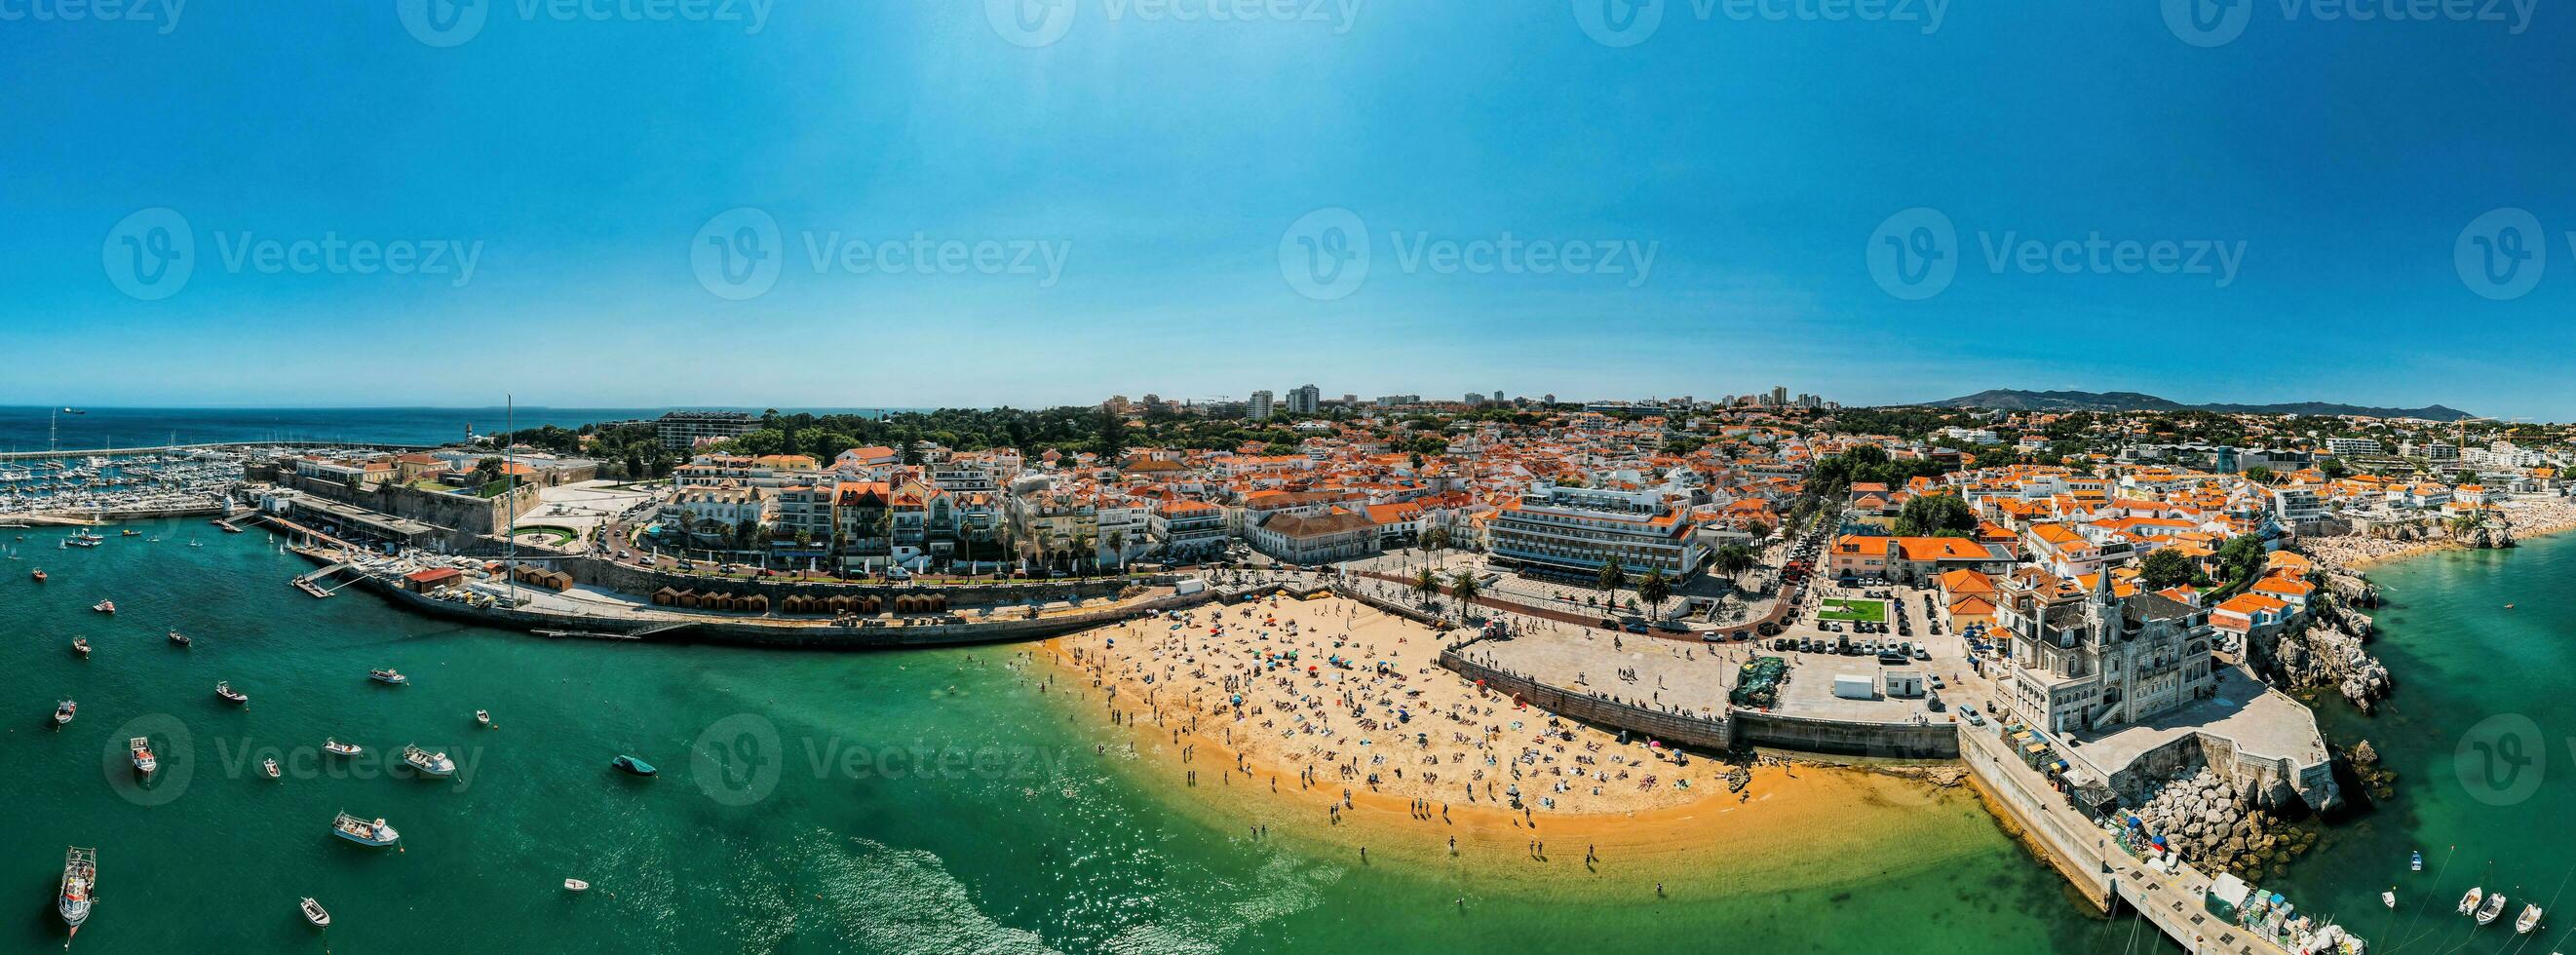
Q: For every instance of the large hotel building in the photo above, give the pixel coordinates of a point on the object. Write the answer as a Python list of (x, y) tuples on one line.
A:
[(1576, 530)]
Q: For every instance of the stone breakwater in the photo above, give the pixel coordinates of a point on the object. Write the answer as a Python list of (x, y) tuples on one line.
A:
[(2211, 821)]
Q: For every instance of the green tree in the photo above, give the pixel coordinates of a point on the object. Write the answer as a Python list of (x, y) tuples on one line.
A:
[(2165, 568), (2260, 474), (1733, 559), (1426, 583), (1612, 575), (1463, 583), (1656, 589), (1927, 515)]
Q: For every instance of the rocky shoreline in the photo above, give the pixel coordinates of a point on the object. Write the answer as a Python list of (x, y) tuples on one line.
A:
[(2208, 818)]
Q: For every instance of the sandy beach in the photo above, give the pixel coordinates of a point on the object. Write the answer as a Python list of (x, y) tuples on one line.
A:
[(1385, 750), (2529, 518)]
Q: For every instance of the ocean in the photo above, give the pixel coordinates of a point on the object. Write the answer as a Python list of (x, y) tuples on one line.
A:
[(920, 801), (40, 428)]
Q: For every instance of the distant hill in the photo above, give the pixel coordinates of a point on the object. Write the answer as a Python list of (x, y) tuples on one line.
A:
[(2005, 399)]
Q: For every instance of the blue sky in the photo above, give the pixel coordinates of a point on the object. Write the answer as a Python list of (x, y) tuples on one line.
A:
[(1120, 200)]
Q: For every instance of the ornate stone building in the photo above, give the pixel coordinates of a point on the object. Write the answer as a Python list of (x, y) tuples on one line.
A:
[(2087, 661)]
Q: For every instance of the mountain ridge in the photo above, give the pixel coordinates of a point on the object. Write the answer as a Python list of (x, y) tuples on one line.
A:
[(2014, 399)]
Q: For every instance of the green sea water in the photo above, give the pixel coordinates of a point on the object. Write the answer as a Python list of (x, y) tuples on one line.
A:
[(2482, 734), (955, 808)]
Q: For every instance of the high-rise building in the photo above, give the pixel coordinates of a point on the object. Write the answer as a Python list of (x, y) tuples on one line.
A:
[(1779, 395), (1305, 399), (1258, 409), (681, 429)]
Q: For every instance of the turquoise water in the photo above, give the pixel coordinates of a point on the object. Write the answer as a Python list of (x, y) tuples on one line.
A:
[(960, 809), (31, 428), (2482, 732)]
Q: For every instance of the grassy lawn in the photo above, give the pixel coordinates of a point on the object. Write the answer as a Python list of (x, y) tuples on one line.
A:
[(1862, 611), (553, 535)]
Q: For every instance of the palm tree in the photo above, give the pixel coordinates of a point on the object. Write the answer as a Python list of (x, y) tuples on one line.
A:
[(1612, 576), (1426, 583), (1463, 584), (1656, 589), (1118, 546)]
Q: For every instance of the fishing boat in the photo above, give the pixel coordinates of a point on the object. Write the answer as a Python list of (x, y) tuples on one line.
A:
[(80, 886), (388, 677), (482, 717), (142, 750), (313, 912), (269, 766), (80, 645), (63, 712), (362, 832), (180, 638), (39, 574), (2389, 898), (336, 748), (129, 532), (104, 606), (2418, 863), (576, 885), (225, 689), (2495, 906), (2469, 902), (633, 765), (434, 765), (2528, 920)]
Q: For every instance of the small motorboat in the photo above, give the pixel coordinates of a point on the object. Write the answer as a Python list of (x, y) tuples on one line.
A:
[(633, 765), (434, 765), (2389, 898), (2418, 862), (269, 766), (388, 677), (482, 717), (129, 532), (63, 712), (576, 885), (180, 638), (2495, 906), (336, 748), (2469, 902), (2528, 920), (313, 913), (372, 834), (39, 575), (80, 645), (104, 606), (142, 750), (80, 880), (225, 689)]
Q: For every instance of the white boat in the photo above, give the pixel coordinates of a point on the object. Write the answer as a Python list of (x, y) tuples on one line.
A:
[(374, 834), (269, 765), (142, 750), (225, 690), (435, 765), (2469, 902), (576, 885), (2530, 919), (63, 712), (313, 912), (388, 676), (80, 885), (2388, 898), (180, 638), (2418, 862), (482, 717), (2495, 906), (334, 747), (81, 645), (104, 606)]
